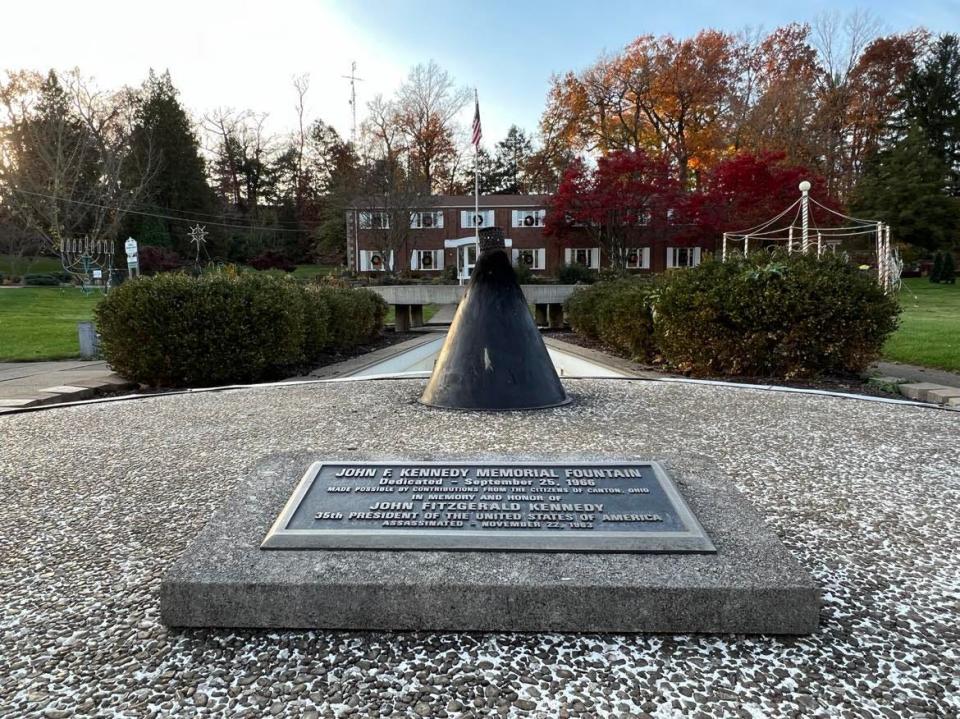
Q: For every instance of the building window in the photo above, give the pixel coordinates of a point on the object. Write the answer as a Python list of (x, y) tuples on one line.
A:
[(586, 256), (375, 261), (529, 218), (426, 260), (426, 220), (374, 221), (683, 256), (638, 258), (469, 218), (533, 259)]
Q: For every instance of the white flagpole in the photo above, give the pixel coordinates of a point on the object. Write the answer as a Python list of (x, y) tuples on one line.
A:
[(476, 181)]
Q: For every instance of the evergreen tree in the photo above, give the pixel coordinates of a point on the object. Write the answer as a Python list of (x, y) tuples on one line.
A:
[(906, 187), (509, 164), (162, 126), (948, 274), (933, 102), (937, 270)]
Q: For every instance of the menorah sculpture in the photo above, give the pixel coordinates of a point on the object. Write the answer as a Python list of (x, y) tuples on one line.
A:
[(86, 258)]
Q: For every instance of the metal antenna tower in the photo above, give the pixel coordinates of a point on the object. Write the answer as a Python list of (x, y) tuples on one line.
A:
[(352, 77)]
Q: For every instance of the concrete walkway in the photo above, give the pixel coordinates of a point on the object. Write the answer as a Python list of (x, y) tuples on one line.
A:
[(921, 383), (912, 373), (27, 384), (443, 316)]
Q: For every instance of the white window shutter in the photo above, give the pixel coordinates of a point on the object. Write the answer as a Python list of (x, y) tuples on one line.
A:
[(414, 220), (438, 219), (595, 257), (438, 259), (669, 257), (543, 216), (645, 258), (696, 256), (515, 221), (516, 253), (567, 255), (465, 219), (364, 260), (415, 260), (541, 259)]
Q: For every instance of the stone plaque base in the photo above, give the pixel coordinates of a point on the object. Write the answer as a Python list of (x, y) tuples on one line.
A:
[(750, 585)]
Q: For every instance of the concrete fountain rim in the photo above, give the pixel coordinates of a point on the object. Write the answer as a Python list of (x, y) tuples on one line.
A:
[(419, 376)]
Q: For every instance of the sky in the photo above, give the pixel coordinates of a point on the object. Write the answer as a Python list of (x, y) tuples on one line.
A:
[(243, 54)]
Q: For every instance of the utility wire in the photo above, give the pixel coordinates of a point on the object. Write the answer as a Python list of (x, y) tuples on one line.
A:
[(158, 215)]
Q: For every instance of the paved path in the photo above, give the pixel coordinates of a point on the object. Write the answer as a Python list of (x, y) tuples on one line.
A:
[(443, 316), (25, 384), (913, 373)]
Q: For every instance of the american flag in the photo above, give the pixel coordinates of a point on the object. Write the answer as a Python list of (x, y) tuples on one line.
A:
[(477, 132)]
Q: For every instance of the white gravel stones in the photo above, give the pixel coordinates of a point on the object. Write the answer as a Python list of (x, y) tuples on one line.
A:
[(99, 500)]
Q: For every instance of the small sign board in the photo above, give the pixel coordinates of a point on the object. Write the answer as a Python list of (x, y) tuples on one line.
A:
[(500, 506), (131, 247)]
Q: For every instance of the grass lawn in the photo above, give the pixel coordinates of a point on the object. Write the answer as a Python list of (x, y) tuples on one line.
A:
[(40, 323), (30, 265), (307, 271), (929, 333), (428, 312)]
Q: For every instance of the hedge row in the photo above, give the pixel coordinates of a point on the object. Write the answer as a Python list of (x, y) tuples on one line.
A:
[(780, 315), (618, 314), (176, 330)]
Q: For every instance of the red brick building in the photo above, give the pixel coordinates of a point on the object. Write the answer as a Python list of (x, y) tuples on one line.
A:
[(441, 236)]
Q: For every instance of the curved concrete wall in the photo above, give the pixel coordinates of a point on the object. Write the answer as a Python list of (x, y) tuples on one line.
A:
[(451, 294)]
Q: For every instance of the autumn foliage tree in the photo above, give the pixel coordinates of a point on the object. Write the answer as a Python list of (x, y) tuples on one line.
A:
[(659, 95), (744, 191), (626, 199), (823, 94)]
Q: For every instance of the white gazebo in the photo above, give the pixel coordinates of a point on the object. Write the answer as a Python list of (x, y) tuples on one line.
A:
[(798, 230)]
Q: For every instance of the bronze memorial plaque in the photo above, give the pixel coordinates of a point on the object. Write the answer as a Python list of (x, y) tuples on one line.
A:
[(488, 506)]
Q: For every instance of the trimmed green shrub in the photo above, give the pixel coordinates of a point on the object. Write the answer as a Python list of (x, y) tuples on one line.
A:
[(937, 268), (355, 315), (41, 280), (317, 320), (179, 330), (948, 273), (615, 313), (781, 315), (576, 273)]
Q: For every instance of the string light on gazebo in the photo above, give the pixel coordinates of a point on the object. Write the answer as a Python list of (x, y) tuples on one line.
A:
[(798, 219)]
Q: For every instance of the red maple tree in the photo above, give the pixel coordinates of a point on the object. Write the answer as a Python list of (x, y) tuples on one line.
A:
[(744, 191), (628, 199)]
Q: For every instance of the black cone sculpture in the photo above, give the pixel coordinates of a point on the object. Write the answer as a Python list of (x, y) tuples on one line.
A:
[(494, 357)]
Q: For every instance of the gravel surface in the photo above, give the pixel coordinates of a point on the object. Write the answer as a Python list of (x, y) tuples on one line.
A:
[(100, 499)]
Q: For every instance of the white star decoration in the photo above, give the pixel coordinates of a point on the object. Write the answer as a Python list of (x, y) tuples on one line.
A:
[(198, 235)]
